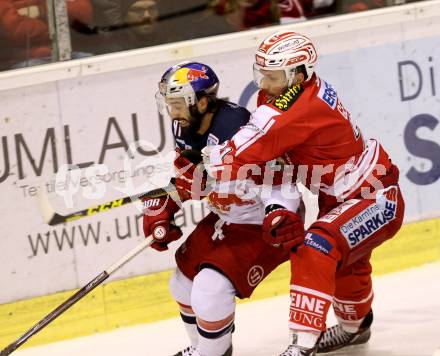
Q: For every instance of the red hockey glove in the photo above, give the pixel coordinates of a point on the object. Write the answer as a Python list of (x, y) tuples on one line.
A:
[(190, 181), (282, 227), (159, 221)]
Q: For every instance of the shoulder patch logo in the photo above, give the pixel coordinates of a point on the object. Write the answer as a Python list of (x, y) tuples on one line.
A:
[(318, 243), (286, 100), (328, 94)]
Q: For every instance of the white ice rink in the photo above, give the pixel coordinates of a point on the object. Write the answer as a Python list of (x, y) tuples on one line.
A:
[(407, 323)]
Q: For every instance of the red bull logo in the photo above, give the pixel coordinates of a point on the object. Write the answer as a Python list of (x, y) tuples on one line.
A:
[(187, 75), (223, 202)]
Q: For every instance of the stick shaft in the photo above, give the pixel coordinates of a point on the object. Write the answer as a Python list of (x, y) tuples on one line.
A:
[(130, 255)]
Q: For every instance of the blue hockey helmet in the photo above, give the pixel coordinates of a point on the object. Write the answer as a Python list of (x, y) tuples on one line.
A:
[(188, 80)]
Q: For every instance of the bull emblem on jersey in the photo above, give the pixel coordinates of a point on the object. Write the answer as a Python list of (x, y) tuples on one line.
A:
[(222, 202)]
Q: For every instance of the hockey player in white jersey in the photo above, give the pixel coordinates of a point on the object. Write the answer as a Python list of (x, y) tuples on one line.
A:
[(225, 256)]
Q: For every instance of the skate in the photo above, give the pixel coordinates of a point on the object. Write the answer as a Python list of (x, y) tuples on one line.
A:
[(336, 337), (295, 350), (191, 351)]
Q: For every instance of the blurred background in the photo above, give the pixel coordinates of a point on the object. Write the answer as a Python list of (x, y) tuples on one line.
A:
[(77, 86), (34, 32)]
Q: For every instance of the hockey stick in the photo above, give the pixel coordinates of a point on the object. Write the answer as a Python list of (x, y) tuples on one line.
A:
[(51, 217), (76, 297)]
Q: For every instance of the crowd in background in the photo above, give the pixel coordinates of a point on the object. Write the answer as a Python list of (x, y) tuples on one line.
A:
[(106, 26)]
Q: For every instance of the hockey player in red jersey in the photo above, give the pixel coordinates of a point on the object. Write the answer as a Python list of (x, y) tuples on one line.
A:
[(301, 119), (225, 256)]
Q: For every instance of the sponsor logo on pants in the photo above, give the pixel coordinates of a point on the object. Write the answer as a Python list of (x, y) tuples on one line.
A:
[(308, 310), (255, 275), (318, 243), (368, 221), (345, 311)]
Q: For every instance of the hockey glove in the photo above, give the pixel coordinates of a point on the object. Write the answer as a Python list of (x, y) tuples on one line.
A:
[(159, 221), (282, 227), (190, 180)]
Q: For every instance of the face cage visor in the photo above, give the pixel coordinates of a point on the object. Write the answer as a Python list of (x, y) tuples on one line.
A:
[(287, 80), (164, 107)]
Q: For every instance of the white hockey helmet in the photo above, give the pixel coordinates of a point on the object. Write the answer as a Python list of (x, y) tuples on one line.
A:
[(285, 50)]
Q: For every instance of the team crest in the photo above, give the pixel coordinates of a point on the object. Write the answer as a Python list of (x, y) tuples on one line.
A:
[(255, 275)]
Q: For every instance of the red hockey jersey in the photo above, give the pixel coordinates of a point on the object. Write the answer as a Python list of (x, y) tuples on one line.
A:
[(312, 131)]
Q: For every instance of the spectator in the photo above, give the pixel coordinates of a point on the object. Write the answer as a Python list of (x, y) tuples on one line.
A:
[(118, 25), (300, 10), (176, 15), (245, 14), (362, 5), (127, 24), (26, 32)]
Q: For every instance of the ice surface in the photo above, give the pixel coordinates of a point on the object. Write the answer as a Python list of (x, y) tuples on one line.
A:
[(407, 323)]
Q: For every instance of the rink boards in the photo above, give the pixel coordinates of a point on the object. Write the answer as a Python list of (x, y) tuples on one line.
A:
[(386, 64)]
